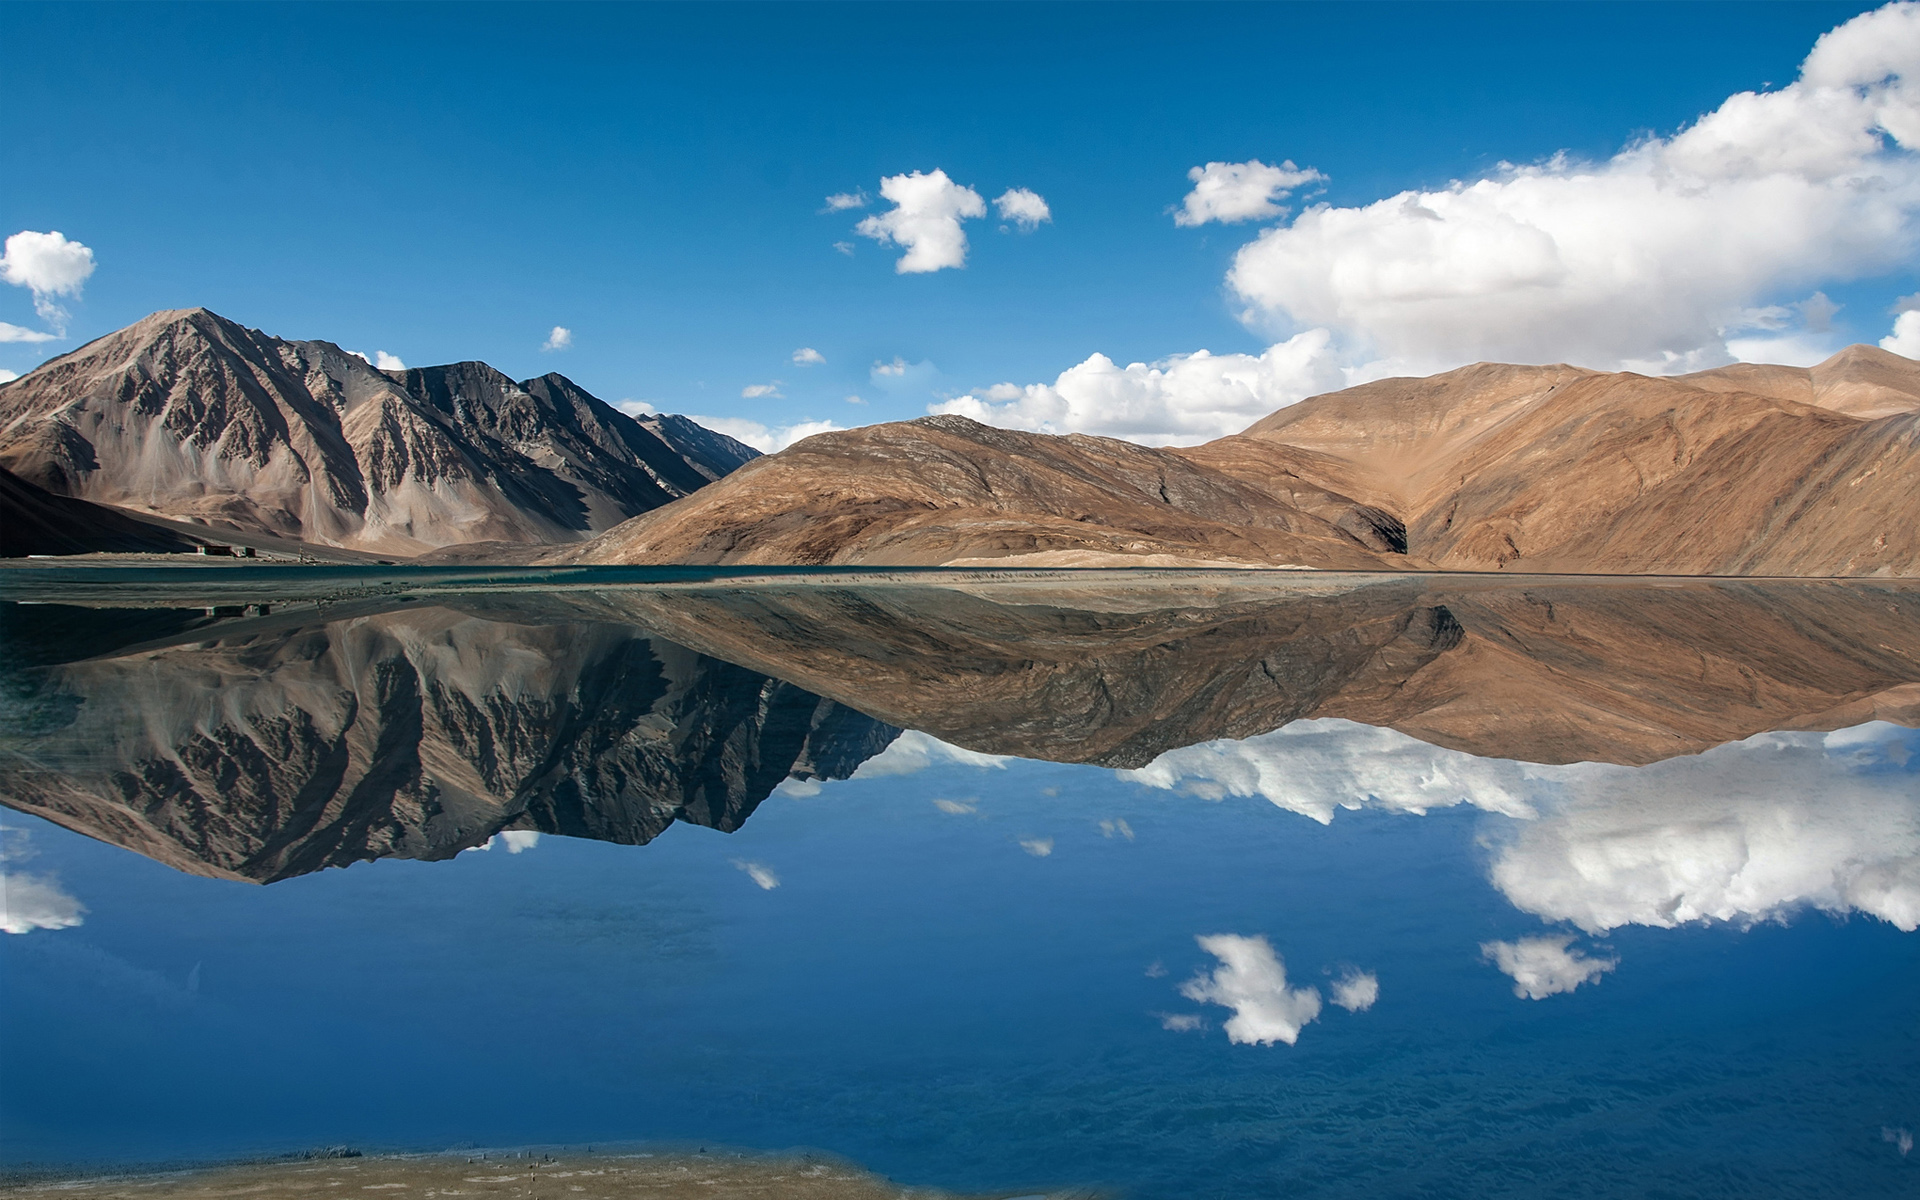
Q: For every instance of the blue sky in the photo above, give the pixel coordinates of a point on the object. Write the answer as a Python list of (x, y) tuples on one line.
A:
[(444, 182)]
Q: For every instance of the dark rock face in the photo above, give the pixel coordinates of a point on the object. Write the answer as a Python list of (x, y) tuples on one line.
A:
[(35, 521), (187, 415), (412, 734)]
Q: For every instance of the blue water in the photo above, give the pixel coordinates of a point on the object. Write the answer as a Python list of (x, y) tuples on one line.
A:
[(926, 995)]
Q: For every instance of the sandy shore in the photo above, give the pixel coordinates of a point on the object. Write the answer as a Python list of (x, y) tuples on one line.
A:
[(517, 1176)]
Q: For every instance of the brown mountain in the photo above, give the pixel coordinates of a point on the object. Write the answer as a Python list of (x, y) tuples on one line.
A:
[(950, 490), (187, 415), (1746, 470)]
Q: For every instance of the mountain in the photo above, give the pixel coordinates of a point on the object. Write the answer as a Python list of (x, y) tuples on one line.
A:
[(415, 734), (187, 415), (1744, 470), (948, 490)]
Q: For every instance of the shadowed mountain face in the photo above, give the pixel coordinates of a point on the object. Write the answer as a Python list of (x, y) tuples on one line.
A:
[(410, 734), (1747, 470), (277, 745), (189, 416)]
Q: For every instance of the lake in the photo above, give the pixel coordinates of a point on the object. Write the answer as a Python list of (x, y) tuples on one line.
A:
[(1161, 884)]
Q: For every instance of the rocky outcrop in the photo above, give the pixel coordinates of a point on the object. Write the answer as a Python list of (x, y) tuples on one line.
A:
[(411, 734), (187, 415)]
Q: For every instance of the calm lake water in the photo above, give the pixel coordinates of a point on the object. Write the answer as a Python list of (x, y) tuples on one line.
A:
[(1177, 886)]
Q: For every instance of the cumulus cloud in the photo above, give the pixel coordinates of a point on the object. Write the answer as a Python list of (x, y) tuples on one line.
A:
[(559, 339), (1232, 192), (7, 376), (1117, 827), (48, 265), (1746, 832), (845, 248), (381, 359), (513, 841), (754, 391), (20, 333), (1544, 966), (760, 873), (1038, 847), (807, 356), (767, 439), (1023, 209), (1178, 401), (1181, 1022), (1647, 260), (638, 408), (1905, 338), (30, 902), (1676, 254), (1252, 981), (842, 201), (915, 751), (924, 220), (1355, 990), (1317, 767)]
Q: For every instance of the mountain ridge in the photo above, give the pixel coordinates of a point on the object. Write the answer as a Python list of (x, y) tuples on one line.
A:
[(188, 415)]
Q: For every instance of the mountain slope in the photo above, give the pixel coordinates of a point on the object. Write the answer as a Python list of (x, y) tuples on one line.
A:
[(950, 490), (188, 415), (1747, 470), (35, 521)]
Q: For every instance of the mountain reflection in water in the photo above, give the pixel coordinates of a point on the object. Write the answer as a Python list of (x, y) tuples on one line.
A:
[(275, 745)]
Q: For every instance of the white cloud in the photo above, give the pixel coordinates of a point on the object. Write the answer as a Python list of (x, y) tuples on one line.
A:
[(1317, 767), (560, 339), (48, 265), (1117, 827), (915, 751), (1178, 401), (956, 808), (1745, 832), (1645, 260), (1905, 338), (1023, 209), (767, 439), (1252, 981), (760, 873), (638, 408), (513, 841), (20, 333), (845, 248), (1181, 1022), (1356, 990), (754, 391), (855, 400), (1231, 192), (1899, 1139), (381, 359), (7, 376), (842, 201), (30, 902), (799, 789), (808, 356), (1038, 847), (1543, 966), (925, 220)]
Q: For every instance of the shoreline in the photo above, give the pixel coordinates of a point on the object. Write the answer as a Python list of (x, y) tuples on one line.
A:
[(619, 1172)]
